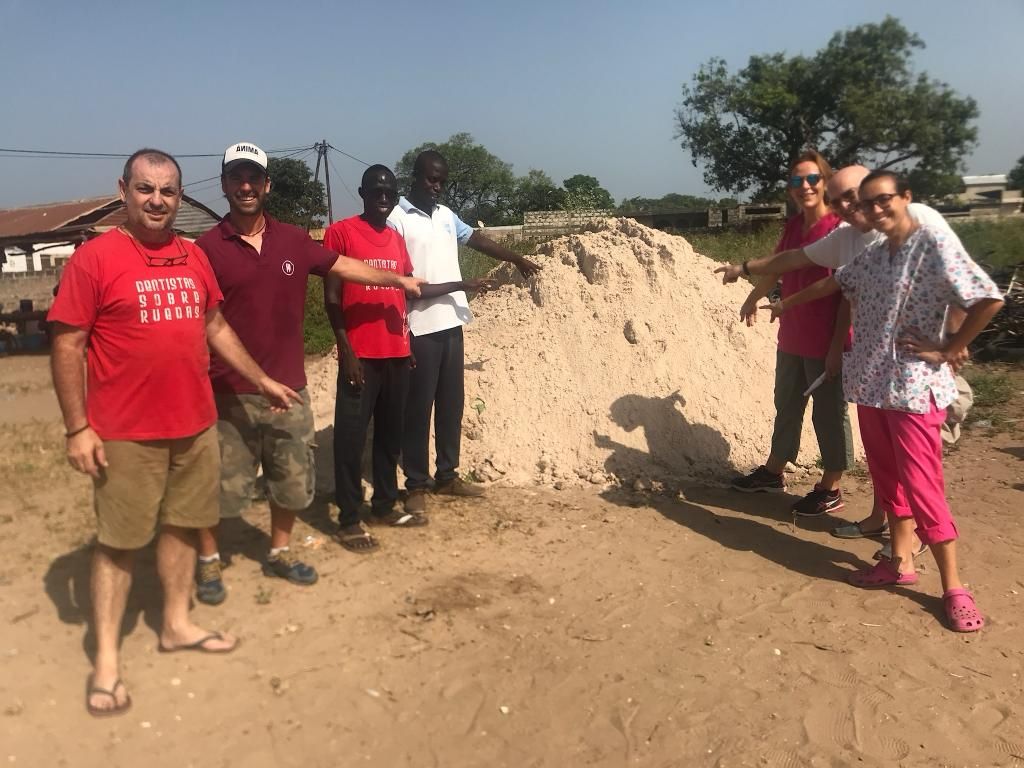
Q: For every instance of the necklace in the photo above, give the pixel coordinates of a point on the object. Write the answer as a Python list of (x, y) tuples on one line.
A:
[(257, 232)]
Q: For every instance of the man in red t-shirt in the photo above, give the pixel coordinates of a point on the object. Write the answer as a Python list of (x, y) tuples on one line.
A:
[(372, 329), (139, 305), (263, 265)]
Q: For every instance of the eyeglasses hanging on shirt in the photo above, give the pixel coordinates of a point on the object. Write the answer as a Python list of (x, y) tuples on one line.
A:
[(161, 261)]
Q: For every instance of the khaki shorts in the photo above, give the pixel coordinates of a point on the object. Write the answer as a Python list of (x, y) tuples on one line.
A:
[(156, 482), (251, 435)]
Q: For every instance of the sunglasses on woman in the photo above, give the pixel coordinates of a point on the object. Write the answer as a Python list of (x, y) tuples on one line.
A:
[(812, 179)]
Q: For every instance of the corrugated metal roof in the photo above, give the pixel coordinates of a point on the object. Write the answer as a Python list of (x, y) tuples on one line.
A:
[(74, 217), (48, 216)]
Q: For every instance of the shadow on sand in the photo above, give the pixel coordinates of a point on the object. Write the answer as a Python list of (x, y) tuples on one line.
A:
[(763, 524)]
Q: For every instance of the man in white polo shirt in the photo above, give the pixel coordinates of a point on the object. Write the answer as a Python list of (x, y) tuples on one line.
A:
[(432, 235)]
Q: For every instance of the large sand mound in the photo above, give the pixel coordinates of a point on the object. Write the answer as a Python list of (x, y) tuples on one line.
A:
[(623, 360)]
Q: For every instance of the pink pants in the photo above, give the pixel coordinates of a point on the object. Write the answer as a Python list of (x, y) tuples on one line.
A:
[(904, 452)]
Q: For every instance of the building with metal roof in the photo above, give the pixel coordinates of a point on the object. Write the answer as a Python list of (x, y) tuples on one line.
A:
[(39, 238)]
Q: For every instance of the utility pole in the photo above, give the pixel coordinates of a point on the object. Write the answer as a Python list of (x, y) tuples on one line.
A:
[(321, 154)]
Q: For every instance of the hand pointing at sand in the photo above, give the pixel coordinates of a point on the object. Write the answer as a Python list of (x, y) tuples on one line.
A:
[(730, 273)]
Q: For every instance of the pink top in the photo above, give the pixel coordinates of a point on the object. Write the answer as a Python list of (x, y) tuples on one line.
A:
[(806, 330)]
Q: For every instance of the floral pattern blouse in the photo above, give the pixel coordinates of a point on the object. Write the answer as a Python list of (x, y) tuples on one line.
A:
[(892, 293)]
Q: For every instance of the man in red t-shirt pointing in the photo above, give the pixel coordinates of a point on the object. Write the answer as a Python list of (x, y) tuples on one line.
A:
[(372, 329), (139, 305)]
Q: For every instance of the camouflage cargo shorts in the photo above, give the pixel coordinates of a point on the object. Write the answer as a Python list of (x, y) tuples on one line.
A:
[(251, 435)]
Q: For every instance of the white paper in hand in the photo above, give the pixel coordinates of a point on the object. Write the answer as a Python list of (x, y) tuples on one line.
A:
[(815, 384)]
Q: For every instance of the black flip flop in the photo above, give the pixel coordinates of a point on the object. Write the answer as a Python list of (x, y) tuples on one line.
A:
[(200, 645), (117, 709)]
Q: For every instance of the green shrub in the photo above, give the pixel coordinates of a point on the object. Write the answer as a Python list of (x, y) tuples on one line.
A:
[(991, 389), (317, 333), (734, 245), (994, 244)]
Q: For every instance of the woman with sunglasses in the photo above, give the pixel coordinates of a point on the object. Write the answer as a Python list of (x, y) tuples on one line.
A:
[(899, 374), (804, 340)]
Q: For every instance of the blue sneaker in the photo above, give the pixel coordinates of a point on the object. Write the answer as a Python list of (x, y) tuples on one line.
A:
[(285, 565), (209, 585)]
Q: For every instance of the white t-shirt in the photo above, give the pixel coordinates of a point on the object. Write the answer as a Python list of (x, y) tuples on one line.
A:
[(433, 244), (840, 246)]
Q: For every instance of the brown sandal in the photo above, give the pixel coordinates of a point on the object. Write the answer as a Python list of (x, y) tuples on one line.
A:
[(356, 539)]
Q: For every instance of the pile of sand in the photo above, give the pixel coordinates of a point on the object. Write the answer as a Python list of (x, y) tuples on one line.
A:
[(624, 360)]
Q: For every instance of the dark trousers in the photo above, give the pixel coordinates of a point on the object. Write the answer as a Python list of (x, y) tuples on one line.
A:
[(382, 397), (436, 385)]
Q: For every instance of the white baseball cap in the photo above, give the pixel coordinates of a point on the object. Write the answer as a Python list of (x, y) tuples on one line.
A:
[(243, 152)]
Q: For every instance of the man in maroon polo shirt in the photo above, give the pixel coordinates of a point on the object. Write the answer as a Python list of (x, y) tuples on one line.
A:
[(262, 266)]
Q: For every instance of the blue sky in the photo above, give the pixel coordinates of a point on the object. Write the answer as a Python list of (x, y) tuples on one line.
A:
[(564, 86)]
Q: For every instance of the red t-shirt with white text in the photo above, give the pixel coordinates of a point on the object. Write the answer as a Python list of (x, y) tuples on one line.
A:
[(147, 356), (376, 321)]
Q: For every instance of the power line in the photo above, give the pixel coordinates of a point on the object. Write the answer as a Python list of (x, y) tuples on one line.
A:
[(68, 155), (299, 151), (342, 179), (346, 154)]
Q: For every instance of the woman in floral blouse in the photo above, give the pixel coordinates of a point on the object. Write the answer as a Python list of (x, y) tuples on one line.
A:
[(898, 373)]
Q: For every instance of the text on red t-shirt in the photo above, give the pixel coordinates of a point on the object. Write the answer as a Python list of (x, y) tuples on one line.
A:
[(376, 321), (147, 357)]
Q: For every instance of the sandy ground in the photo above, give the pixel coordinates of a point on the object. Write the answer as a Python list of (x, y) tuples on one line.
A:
[(533, 628)]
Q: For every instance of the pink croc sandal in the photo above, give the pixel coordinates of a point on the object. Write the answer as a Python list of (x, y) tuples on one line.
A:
[(963, 614), (883, 574)]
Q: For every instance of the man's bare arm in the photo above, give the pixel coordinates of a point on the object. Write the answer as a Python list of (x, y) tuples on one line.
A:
[(776, 264), (223, 340), (67, 365), (480, 242), (356, 271)]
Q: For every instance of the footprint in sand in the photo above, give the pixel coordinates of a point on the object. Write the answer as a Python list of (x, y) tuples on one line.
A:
[(893, 747), (782, 758), (808, 596), (988, 717), (1012, 749), (832, 725), (841, 678), (874, 698), (463, 701)]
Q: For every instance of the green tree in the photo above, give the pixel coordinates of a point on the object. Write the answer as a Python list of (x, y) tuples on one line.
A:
[(1015, 178), (481, 187), (585, 192), (294, 197), (855, 100), (537, 192), (669, 202)]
